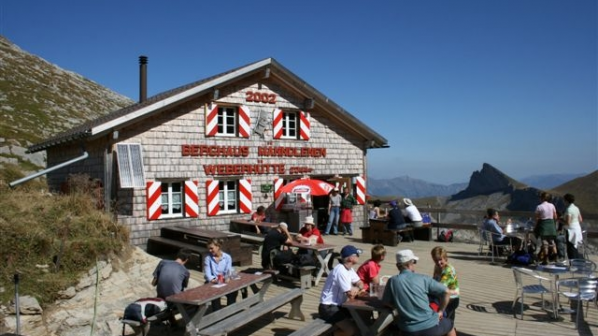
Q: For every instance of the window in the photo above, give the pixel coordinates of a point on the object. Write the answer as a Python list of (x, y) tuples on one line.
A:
[(228, 196), (289, 125), (227, 121), (172, 199), (130, 165)]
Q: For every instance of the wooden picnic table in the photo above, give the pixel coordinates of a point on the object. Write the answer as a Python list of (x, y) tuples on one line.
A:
[(366, 303), (241, 225), (323, 253), (199, 299)]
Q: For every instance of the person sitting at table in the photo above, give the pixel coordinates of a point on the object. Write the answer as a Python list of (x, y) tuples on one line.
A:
[(413, 216), (408, 292), (446, 274), (341, 284), (309, 233), (217, 268), (396, 221), (257, 217), (171, 276), (374, 212), (369, 271), (491, 223), (274, 240)]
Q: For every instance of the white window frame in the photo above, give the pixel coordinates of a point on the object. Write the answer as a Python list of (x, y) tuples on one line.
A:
[(290, 117), (224, 195), (168, 195), (224, 114), (131, 172)]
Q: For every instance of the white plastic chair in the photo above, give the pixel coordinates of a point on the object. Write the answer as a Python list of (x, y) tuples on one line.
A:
[(522, 289), (580, 289)]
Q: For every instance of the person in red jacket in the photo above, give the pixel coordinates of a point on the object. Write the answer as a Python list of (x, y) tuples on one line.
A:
[(309, 233)]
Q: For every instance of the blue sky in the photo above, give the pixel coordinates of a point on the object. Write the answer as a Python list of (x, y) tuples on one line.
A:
[(450, 84)]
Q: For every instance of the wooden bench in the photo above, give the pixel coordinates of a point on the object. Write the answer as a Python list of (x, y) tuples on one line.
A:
[(161, 245), (391, 237), (305, 274), (423, 232), (315, 327), (295, 297)]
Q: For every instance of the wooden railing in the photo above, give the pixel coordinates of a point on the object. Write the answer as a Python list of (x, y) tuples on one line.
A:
[(470, 219)]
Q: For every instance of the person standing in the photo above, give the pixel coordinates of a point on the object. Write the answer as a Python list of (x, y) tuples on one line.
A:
[(408, 292), (171, 276), (334, 204), (546, 227), (217, 268), (347, 204), (446, 274), (413, 216), (572, 224), (341, 284)]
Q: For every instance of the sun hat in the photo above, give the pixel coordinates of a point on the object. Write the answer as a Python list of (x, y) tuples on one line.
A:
[(283, 225), (404, 256), (335, 189), (309, 220), (393, 203), (350, 250), (407, 202)]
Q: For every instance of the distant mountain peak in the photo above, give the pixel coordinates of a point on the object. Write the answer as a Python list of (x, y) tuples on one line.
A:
[(487, 181)]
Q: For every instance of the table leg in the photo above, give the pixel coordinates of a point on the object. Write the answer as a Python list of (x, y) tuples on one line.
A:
[(192, 321), (323, 266), (364, 330)]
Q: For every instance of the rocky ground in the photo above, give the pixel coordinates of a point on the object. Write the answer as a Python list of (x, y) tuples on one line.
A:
[(122, 280)]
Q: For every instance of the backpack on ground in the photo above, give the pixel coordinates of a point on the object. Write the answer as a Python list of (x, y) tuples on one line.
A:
[(141, 309), (445, 236), (521, 258)]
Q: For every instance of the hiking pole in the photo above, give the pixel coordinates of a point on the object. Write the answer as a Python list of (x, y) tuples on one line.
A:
[(17, 308)]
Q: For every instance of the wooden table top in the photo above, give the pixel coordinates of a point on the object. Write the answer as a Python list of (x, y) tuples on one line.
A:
[(252, 223), (208, 292), (203, 232), (316, 247)]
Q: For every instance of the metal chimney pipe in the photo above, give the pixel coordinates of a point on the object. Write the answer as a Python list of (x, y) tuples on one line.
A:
[(142, 78)]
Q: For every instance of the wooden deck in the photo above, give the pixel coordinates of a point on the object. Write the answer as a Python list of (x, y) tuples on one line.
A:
[(487, 292)]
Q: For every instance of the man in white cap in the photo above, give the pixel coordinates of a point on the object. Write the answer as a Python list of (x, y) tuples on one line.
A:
[(309, 233), (408, 292), (341, 284), (273, 240), (413, 216)]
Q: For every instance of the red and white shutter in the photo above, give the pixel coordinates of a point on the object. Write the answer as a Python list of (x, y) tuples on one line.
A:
[(245, 196), (360, 188), (153, 191), (278, 196), (212, 198), (244, 121), (191, 199), (304, 124), (211, 120), (277, 124)]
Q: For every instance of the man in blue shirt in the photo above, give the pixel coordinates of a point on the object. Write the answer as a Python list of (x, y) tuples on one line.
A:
[(498, 237), (409, 291)]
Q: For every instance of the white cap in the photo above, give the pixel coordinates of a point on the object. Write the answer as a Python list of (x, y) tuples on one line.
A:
[(404, 256), (309, 220), (283, 225)]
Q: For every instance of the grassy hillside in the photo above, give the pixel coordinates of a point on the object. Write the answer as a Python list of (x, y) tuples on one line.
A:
[(51, 239)]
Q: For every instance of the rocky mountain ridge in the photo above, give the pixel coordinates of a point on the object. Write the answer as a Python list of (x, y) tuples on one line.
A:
[(40, 99)]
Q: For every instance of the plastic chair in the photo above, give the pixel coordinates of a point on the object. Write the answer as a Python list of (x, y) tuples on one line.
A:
[(522, 289), (580, 289)]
